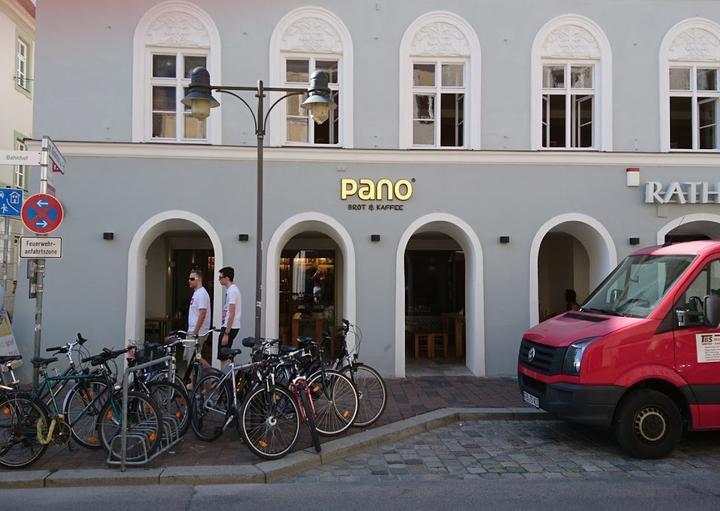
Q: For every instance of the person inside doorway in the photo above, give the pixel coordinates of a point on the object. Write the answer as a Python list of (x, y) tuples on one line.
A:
[(231, 312), (571, 300), (198, 315)]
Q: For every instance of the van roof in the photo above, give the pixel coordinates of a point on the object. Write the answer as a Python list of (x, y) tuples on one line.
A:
[(687, 248)]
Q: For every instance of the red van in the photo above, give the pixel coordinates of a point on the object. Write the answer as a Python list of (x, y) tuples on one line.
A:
[(642, 354)]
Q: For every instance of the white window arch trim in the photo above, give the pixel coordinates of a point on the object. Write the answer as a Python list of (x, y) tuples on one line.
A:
[(602, 129), (664, 59), (142, 67), (279, 52), (473, 67)]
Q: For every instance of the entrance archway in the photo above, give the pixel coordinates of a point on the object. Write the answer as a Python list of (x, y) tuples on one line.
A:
[(698, 226), (588, 254), (456, 232), (318, 227), (149, 257)]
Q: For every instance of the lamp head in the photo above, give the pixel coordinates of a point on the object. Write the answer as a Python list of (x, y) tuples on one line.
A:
[(319, 102), (198, 97)]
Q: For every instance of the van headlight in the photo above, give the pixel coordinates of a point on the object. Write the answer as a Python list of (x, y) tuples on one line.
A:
[(574, 355)]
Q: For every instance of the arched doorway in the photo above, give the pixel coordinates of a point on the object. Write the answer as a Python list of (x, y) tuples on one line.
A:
[(162, 252), (569, 252), (310, 287), (439, 298), (699, 226), (299, 300)]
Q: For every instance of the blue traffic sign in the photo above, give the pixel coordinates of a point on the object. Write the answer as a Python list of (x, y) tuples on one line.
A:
[(11, 202)]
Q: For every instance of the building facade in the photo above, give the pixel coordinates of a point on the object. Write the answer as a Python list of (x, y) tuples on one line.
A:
[(484, 158), (17, 45)]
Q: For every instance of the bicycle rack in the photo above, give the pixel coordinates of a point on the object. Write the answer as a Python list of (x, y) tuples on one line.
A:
[(139, 437)]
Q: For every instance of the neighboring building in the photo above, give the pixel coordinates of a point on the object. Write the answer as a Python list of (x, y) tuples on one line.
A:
[(475, 169), (17, 46)]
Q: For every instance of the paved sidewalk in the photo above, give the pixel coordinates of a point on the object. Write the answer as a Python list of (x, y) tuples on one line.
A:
[(514, 450), (406, 398)]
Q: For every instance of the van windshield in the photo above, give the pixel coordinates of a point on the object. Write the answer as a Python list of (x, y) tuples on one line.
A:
[(637, 285)]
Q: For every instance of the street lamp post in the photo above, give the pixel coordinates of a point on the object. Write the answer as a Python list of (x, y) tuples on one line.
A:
[(200, 100)]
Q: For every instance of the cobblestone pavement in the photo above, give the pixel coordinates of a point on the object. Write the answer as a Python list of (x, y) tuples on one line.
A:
[(407, 397), (515, 450)]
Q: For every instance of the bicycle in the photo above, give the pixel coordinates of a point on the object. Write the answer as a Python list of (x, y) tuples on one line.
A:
[(371, 389), (28, 425), (333, 395)]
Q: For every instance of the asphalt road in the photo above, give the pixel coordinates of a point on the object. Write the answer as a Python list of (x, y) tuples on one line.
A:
[(615, 493)]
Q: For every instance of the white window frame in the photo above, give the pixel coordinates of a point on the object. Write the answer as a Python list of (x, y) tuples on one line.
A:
[(21, 64), (709, 57), (695, 96), (438, 90), (20, 174), (284, 44), (143, 49), (179, 82), (470, 56), (602, 82), (568, 91), (334, 87)]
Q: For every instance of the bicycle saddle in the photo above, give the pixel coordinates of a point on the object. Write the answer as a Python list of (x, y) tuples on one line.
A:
[(39, 361), (304, 339), (229, 353), (9, 358), (248, 342)]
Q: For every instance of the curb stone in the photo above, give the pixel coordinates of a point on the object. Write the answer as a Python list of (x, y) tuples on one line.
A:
[(267, 471)]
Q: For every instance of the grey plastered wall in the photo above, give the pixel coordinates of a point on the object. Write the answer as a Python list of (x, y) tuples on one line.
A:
[(86, 290), (84, 62)]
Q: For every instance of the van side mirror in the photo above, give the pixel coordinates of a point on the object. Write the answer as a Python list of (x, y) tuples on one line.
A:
[(712, 310)]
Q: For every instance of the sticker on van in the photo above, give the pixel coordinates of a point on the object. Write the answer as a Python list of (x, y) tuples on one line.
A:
[(708, 347)]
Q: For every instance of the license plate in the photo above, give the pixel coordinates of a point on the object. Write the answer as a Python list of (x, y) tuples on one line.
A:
[(531, 400)]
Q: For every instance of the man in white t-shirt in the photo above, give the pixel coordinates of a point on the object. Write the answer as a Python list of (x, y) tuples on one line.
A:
[(199, 312), (231, 311)]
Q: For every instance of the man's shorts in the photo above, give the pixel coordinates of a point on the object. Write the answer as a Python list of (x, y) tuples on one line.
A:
[(233, 333)]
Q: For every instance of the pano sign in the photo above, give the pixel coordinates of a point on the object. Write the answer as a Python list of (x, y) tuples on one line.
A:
[(382, 190), (682, 192)]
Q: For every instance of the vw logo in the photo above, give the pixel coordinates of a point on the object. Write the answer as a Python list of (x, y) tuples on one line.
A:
[(531, 355)]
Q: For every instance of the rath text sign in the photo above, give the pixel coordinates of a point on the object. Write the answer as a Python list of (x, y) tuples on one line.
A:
[(682, 192)]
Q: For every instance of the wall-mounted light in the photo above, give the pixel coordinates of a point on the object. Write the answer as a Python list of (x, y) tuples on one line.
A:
[(375, 237), (632, 176), (108, 236), (504, 239), (634, 241), (243, 237)]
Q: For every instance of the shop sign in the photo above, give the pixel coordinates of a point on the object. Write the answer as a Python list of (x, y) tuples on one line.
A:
[(370, 190), (682, 192)]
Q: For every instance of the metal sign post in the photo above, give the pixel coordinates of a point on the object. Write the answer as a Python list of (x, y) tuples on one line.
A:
[(49, 155)]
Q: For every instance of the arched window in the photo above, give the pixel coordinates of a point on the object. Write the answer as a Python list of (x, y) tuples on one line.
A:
[(439, 83), (690, 87), (305, 40), (571, 86), (170, 40)]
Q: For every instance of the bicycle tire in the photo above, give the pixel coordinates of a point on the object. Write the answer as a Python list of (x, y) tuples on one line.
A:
[(261, 418), (81, 413), (144, 421), (372, 393), (335, 400), (19, 416), (310, 420), (209, 408), (173, 401)]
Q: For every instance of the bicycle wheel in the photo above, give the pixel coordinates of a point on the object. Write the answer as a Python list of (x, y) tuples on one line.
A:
[(310, 420), (270, 422), (21, 419), (210, 408), (144, 426), (371, 390), (173, 401), (81, 409), (335, 400)]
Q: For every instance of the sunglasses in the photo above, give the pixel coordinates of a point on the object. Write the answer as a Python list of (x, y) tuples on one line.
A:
[(192, 279)]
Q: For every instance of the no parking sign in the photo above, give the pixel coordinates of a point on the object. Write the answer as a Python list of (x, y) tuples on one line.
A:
[(42, 213)]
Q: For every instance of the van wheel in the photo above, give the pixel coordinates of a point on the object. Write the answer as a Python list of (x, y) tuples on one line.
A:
[(648, 424)]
